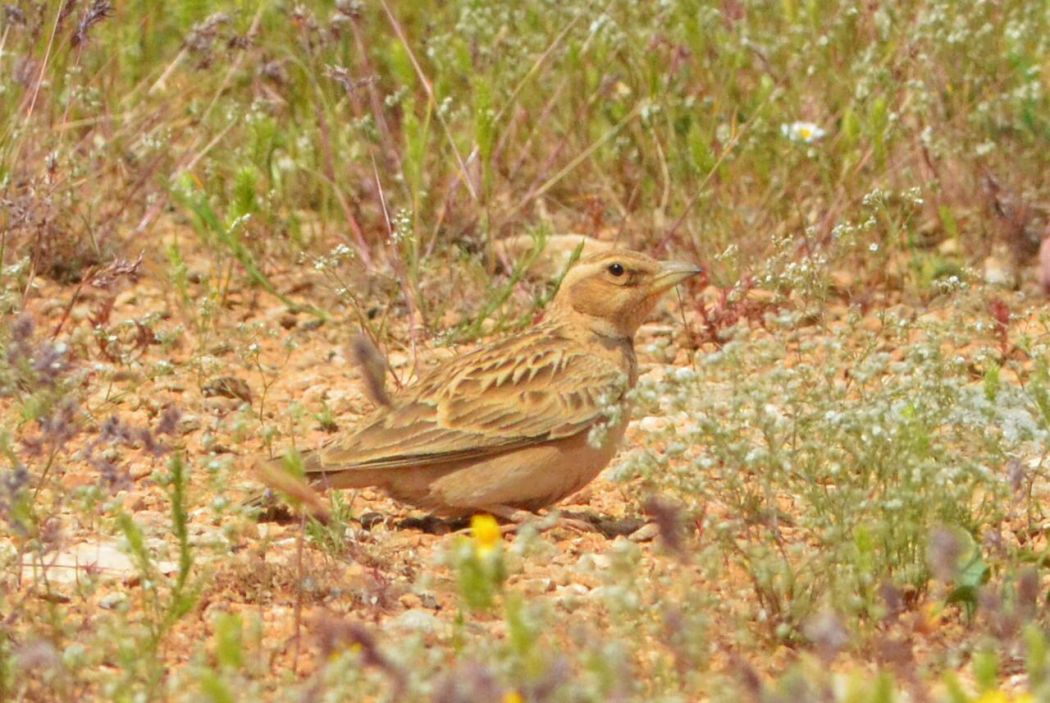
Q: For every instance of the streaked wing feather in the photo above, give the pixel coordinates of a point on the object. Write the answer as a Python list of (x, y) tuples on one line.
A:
[(503, 397)]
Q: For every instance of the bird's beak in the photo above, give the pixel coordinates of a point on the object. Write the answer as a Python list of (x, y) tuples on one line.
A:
[(672, 273)]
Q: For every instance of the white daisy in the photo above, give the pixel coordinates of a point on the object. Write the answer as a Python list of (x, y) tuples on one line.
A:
[(805, 132)]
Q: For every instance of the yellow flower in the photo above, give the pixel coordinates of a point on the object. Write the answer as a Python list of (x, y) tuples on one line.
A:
[(486, 533), (1024, 698), (512, 696), (995, 696)]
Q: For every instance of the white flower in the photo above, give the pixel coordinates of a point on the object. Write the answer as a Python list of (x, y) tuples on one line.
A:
[(805, 132), (984, 148)]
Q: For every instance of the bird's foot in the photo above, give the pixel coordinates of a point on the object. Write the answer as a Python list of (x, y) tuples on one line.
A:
[(582, 522), (514, 519)]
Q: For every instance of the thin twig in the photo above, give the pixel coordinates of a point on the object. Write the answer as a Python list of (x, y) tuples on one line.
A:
[(399, 267), (298, 608), (430, 97), (580, 158), (44, 63)]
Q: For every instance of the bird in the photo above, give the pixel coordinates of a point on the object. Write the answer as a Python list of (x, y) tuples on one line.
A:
[(521, 423)]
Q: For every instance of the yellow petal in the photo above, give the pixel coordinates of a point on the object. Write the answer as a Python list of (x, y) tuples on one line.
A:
[(486, 532)]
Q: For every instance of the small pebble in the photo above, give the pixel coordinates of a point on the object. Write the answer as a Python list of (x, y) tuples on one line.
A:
[(189, 423), (112, 600), (645, 533)]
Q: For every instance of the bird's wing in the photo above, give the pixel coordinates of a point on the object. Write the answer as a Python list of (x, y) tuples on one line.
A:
[(502, 397)]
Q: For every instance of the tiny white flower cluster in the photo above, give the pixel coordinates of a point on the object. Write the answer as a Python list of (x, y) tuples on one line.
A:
[(445, 107), (729, 253), (612, 405), (876, 197), (402, 226), (914, 196), (846, 231), (949, 284), (341, 253), (984, 148)]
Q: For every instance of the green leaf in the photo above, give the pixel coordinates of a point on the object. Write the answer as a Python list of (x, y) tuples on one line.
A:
[(215, 689), (229, 641), (991, 382)]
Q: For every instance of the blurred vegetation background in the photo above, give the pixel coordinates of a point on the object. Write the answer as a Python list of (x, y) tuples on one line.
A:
[(909, 137)]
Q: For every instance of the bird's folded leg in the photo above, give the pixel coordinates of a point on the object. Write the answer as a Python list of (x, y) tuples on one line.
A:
[(574, 523)]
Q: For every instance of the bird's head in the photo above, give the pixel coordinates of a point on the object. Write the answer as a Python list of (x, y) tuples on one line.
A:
[(613, 292)]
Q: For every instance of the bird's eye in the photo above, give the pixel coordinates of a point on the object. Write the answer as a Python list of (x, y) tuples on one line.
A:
[(616, 269)]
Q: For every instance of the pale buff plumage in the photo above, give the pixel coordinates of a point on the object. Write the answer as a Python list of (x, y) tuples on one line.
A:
[(507, 427)]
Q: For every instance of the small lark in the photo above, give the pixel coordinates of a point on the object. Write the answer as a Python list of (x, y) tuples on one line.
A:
[(521, 423)]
